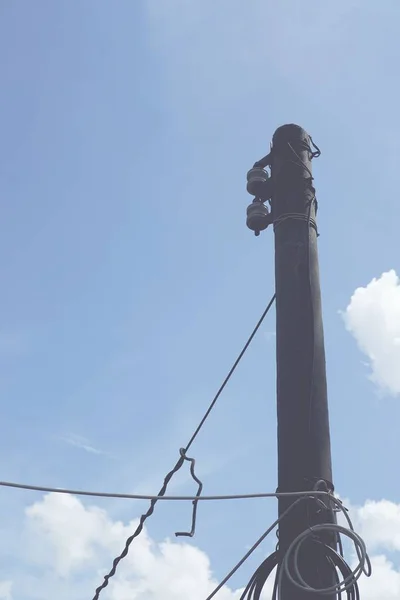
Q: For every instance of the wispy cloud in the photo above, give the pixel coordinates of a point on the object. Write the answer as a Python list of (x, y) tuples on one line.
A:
[(83, 444)]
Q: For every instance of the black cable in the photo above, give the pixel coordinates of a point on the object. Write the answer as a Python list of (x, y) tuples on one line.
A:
[(288, 564), (255, 586), (197, 497), (302, 163), (138, 530), (195, 501), (317, 152), (181, 460)]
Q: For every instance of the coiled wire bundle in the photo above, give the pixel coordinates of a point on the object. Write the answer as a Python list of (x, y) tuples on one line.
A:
[(288, 565)]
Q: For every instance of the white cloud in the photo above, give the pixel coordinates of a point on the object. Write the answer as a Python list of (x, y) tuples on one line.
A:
[(5, 590), (384, 583), (69, 547), (373, 318), (78, 543), (70, 534), (378, 522)]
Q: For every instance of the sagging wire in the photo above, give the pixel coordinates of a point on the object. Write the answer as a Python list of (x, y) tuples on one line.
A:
[(181, 459), (196, 500), (289, 564)]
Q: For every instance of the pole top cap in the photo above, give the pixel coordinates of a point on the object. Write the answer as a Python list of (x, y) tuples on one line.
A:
[(290, 133)]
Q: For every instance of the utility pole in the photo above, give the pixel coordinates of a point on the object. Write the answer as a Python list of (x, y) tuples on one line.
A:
[(304, 454), (304, 451)]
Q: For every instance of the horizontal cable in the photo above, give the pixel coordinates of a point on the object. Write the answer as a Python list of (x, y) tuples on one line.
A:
[(43, 488)]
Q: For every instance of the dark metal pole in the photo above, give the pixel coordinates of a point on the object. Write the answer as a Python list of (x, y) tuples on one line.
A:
[(304, 454)]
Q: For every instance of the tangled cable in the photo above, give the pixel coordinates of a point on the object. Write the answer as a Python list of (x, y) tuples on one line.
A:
[(288, 564)]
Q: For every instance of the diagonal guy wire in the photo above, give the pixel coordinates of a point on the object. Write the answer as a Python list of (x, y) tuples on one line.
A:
[(181, 460)]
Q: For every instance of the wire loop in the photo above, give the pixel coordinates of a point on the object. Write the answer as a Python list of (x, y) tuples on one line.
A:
[(196, 500)]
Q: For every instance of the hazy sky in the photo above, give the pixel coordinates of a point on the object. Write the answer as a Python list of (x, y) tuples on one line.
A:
[(130, 282)]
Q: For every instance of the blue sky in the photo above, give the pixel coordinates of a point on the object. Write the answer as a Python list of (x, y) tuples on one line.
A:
[(129, 280)]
